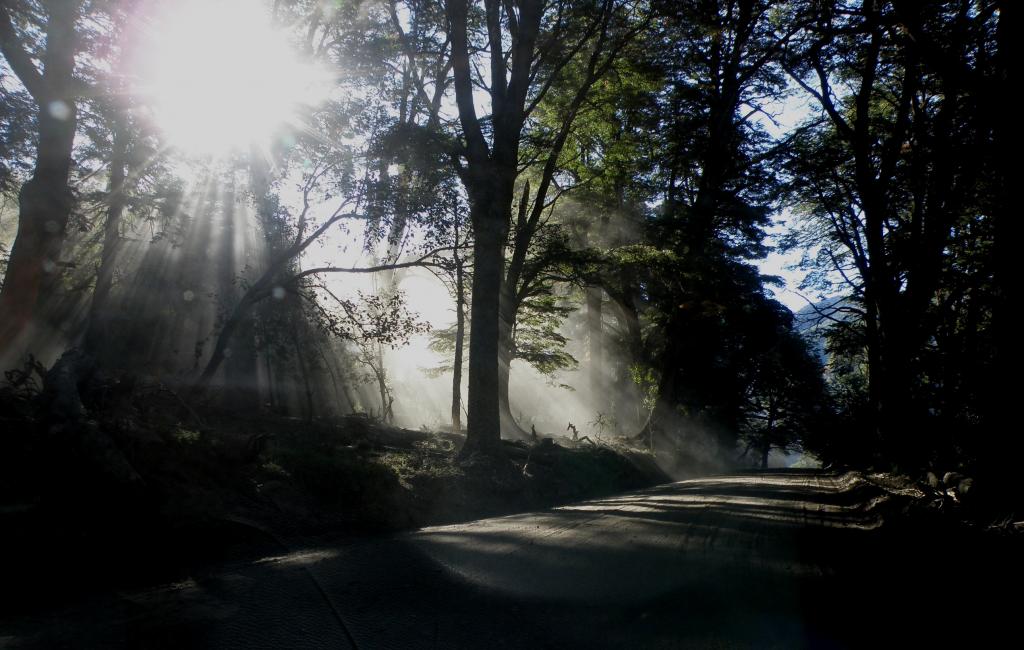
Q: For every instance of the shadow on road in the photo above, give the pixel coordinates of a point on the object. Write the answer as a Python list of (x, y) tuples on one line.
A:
[(778, 559)]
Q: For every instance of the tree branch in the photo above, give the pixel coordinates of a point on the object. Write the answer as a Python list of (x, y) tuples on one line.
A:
[(458, 27), (420, 261), (20, 61)]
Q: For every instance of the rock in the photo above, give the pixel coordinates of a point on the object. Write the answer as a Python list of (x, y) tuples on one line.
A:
[(932, 480), (950, 479)]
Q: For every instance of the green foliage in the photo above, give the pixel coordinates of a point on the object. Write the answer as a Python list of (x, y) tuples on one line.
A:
[(644, 256), (371, 318), (442, 343), (430, 461), (537, 337), (646, 379), (186, 436)]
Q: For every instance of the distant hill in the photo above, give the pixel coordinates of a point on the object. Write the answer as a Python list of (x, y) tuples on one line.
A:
[(810, 322)]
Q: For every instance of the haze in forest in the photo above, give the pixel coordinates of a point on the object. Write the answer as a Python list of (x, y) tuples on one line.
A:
[(524, 220)]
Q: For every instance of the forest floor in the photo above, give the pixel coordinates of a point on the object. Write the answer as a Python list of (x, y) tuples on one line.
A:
[(202, 486)]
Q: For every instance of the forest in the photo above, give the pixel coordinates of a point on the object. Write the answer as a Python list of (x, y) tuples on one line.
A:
[(322, 265)]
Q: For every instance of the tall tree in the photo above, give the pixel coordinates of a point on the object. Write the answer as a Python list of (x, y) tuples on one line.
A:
[(891, 172), (45, 200), (721, 69), (526, 47)]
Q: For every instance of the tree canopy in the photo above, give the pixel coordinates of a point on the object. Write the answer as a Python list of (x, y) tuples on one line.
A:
[(316, 209)]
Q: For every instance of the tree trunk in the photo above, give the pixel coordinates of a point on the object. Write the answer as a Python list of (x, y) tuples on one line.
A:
[(598, 235), (460, 332), (595, 340), (489, 212), (629, 392), (353, 403), (269, 370), (98, 310), (241, 379), (334, 379), (304, 373), (769, 434), (664, 411), (380, 372), (508, 309), (241, 390), (509, 425), (45, 200)]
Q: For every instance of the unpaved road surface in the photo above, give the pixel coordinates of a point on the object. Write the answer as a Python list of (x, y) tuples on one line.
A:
[(780, 559)]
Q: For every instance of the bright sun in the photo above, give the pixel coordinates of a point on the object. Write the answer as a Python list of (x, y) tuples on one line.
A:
[(218, 76)]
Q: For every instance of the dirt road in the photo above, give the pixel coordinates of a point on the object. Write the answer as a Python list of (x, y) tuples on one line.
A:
[(781, 559)]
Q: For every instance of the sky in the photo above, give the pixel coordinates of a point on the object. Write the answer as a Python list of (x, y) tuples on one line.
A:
[(780, 264), (786, 115)]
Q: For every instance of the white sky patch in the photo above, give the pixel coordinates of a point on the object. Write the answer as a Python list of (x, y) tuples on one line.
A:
[(779, 264), (785, 115)]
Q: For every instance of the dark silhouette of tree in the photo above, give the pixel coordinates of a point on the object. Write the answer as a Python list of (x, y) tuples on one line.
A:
[(890, 173), (786, 399), (717, 192), (45, 199)]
